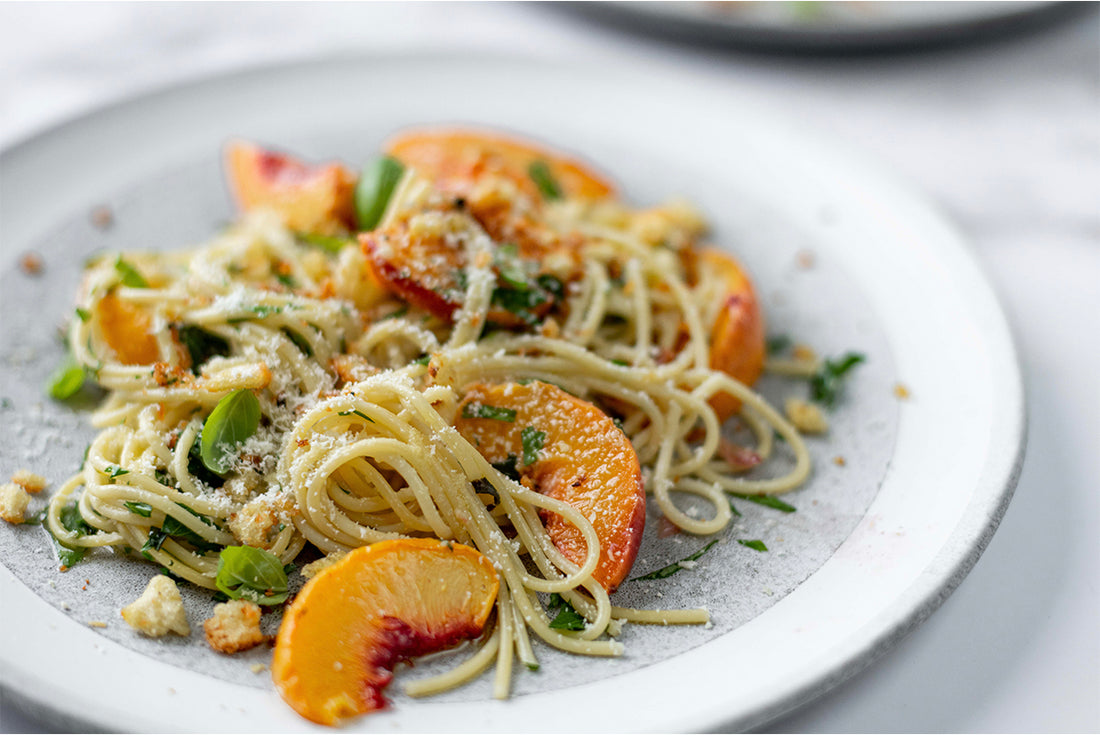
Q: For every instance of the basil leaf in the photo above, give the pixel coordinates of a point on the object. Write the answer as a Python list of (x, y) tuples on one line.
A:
[(483, 411), (154, 542), (675, 567), (532, 440), (376, 185), (177, 530), (767, 501), (67, 379), (508, 468), (825, 385), (539, 171), (142, 509), (248, 573), (129, 275), (201, 345), (197, 469), (72, 521), (233, 420), (327, 243), (755, 544)]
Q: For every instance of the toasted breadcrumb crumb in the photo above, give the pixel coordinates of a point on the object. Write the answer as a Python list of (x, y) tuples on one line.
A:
[(804, 353), (805, 259), (839, 461), (96, 624), (159, 610), (901, 391), (31, 263), (13, 503), (102, 217), (29, 481), (235, 627), (807, 418)]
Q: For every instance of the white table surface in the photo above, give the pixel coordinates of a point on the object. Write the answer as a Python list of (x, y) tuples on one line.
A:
[(1003, 135)]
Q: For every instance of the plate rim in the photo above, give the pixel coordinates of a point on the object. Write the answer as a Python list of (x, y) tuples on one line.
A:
[(999, 474)]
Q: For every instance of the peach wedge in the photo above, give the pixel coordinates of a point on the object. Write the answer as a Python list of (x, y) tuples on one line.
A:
[(569, 450), (379, 605), (455, 158), (313, 199), (737, 338)]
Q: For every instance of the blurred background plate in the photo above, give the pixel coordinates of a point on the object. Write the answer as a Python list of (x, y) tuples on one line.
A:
[(824, 26)]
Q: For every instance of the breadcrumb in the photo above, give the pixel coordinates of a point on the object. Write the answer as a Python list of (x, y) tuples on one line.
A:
[(159, 610), (31, 263), (29, 481), (806, 417), (901, 391), (13, 502), (96, 624), (235, 627), (839, 460)]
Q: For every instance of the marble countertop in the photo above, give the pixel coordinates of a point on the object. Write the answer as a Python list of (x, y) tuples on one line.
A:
[(1004, 135)]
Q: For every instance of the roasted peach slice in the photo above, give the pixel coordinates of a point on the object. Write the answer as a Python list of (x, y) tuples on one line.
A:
[(379, 605), (314, 199), (570, 450), (455, 158), (737, 337), (126, 329)]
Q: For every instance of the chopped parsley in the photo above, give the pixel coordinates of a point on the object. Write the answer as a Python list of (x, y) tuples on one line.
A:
[(567, 617), (532, 440), (142, 509), (755, 544)]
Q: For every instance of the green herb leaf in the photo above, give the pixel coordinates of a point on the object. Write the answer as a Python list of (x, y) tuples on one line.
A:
[(83, 314), (768, 501), (676, 566), (532, 440), (196, 467), (233, 420), (299, 341), (248, 573), (567, 618), (360, 414), (539, 171), (376, 185), (263, 310), (177, 530), (778, 343), (510, 267), (508, 468), (153, 542), (115, 471), (396, 313), (67, 380), (72, 521), (754, 544), (327, 243), (482, 411), (129, 275), (825, 385), (423, 360), (201, 345), (142, 509), (286, 279)]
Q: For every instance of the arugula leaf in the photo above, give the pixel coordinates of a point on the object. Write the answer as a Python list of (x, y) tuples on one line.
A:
[(755, 544), (768, 501), (532, 440), (825, 385), (483, 411), (540, 173), (67, 380), (142, 509), (129, 275), (377, 182), (248, 573), (675, 566), (233, 420), (201, 345)]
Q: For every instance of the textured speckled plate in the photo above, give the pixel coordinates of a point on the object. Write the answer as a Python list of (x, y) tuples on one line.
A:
[(843, 257)]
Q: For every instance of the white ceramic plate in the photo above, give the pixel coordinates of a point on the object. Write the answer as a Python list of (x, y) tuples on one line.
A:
[(874, 548)]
